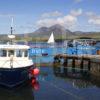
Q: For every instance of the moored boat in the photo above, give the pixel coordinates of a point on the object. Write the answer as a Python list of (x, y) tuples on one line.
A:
[(15, 63), (51, 40), (82, 46)]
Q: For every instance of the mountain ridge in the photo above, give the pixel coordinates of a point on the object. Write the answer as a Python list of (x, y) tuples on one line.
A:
[(59, 33)]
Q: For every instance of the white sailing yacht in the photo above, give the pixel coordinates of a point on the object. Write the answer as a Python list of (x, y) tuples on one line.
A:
[(50, 43), (51, 39)]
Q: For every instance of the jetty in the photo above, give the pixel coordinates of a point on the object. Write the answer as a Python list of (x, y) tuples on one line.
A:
[(86, 61)]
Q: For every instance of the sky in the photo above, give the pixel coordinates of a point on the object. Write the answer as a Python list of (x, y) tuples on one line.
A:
[(29, 15)]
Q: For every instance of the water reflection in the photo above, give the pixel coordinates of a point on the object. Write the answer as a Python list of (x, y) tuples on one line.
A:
[(78, 78), (69, 71), (35, 84), (95, 80), (23, 92)]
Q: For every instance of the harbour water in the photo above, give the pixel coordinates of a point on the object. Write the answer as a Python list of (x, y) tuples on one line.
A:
[(54, 86), (54, 83)]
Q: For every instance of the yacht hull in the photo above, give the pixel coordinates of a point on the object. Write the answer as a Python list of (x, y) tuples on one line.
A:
[(14, 76)]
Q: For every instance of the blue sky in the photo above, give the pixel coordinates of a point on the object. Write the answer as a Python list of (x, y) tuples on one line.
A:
[(29, 15)]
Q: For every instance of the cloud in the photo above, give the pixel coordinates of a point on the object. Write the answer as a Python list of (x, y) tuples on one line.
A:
[(93, 18), (52, 14), (65, 21), (46, 22), (95, 21), (90, 14), (77, 12)]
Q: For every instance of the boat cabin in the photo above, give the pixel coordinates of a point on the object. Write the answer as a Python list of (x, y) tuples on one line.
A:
[(14, 50)]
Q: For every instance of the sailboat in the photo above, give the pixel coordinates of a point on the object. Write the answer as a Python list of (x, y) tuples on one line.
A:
[(51, 39), (50, 43)]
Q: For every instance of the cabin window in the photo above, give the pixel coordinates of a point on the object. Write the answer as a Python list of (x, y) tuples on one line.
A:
[(10, 52), (3, 53), (18, 53), (25, 53)]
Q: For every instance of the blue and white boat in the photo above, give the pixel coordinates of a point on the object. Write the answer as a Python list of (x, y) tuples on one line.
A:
[(14, 63), (82, 46)]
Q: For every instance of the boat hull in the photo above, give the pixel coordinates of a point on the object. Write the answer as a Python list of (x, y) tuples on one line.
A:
[(14, 76)]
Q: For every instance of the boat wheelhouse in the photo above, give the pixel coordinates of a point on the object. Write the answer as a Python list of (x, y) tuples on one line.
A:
[(14, 64), (16, 55)]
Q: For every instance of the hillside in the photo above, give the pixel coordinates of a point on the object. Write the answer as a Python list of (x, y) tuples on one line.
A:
[(60, 33)]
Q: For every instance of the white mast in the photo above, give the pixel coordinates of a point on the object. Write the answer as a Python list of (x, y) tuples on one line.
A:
[(11, 36), (51, 39)]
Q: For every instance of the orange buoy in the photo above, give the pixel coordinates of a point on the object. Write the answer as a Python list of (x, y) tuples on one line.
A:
[(36, 71)]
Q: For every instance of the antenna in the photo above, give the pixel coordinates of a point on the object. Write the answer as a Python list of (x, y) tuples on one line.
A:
[(12, 25), (11, 36)]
